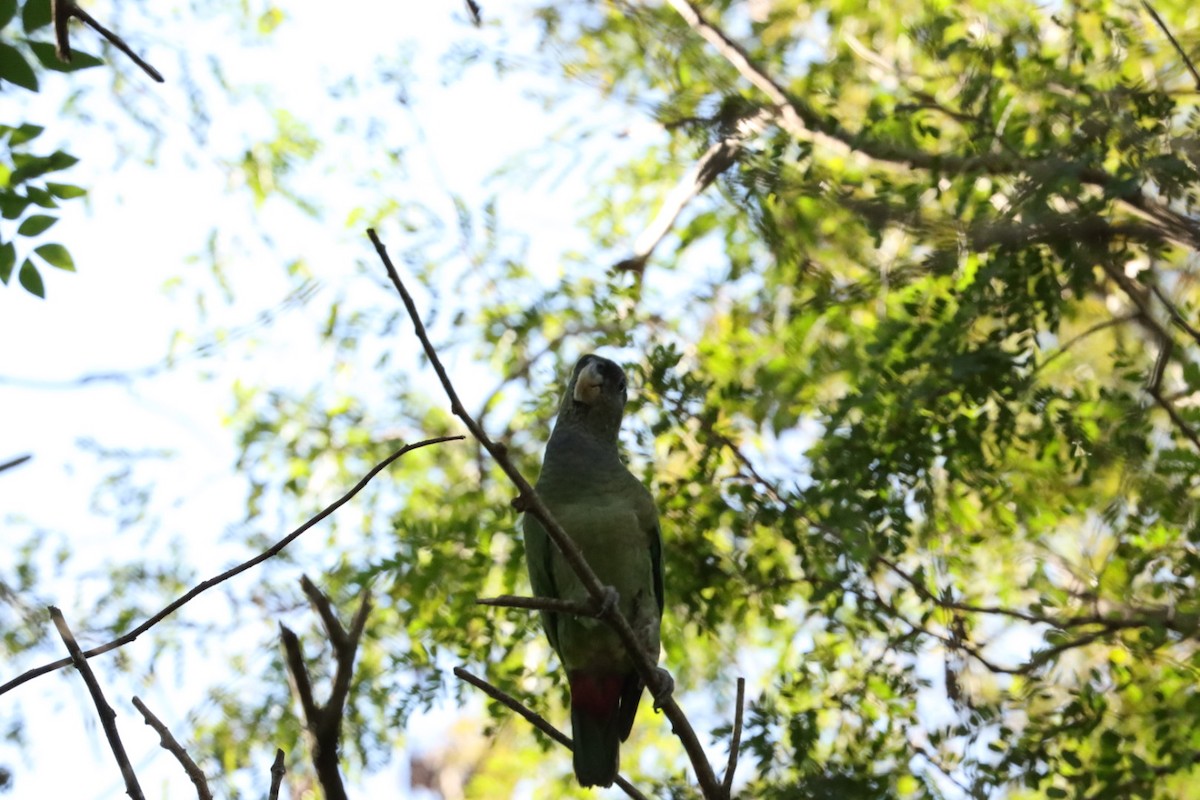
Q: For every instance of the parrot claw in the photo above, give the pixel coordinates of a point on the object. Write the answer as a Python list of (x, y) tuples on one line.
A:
[(664, 689), (609, 603)]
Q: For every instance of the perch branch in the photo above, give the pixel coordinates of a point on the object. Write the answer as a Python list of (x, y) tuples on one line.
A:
[(540, 604), (528, 501), (108, 717), (172, 746), (224, 576)]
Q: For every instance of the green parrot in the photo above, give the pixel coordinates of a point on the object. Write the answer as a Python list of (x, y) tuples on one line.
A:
[(611, 516)]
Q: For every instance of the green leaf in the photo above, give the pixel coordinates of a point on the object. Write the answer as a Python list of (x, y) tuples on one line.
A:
[(33, 225), (31, 279), (8, 259), (25, 133), (48, 56), (56, 256), (15, 69), (35, 14), (12, 205), (65, 191), (8, 10)]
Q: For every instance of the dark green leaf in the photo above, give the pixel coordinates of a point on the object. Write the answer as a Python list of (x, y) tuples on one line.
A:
[(31, 279), (15, 69), (25, 133), (48, 56), (8, 10), (35, 14), (56, 256), (35, 224), (8, 259), (12, 205)]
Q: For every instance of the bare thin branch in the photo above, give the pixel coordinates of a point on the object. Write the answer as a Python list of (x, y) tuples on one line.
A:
[(62, 11), (1174, 42), (199, 589), (15, 462), (172, 746), (278, 770), (735, 740), (108, 717), (536, 720), (529, 502), (540, 604)]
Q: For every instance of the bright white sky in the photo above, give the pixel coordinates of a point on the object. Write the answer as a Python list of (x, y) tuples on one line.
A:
[(145, 223)]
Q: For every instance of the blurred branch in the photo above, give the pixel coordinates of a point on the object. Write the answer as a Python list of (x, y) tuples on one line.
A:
[(716, 160), (16, 462), (805, 123), (1174, 42), (735, 740), (323, 721), (199, 589), (172, 745), (658, 680), (536, 720), (63, 10), (278, 770), (108, 717)]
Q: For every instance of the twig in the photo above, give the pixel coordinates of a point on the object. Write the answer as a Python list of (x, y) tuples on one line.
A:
[(323, 721), (16, 462), (536, 720), (735, 741), (277, 772), (540, 604), (476, 13), (63, 10), (1174, 42), (108, 717), (715, 161), (528, 501), (121, 641), (172, 745)]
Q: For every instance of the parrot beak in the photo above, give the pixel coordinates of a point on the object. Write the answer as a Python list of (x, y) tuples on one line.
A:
[(588, 385)]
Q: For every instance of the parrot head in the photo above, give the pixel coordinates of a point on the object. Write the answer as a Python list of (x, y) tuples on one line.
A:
[(596, 395)]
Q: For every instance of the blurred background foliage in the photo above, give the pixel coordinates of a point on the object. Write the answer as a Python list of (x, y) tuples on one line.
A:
[(916, 387)]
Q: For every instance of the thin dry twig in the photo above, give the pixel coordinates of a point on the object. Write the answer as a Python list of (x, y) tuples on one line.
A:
[(540, 604), (735, 740), (536, 720), (199, 589), (62, 11), (278, 770), (528, 501), (1174, 42), (323, 721), (172, 746), (108, 717), (15, 462)]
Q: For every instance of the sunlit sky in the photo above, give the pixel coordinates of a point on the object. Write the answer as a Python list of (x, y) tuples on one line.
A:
[(146, 222)]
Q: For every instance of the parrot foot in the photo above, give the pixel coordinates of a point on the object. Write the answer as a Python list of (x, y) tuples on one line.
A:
[(609, 602), (664, 689)]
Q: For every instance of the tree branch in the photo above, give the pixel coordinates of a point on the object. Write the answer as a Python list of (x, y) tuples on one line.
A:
[(1174, 42), (108, 717), (63, 10), (14, 462), (172, 746), (528, 501), (278, 770), (541, 604), (199, 589), (735, 740), (536, 720)]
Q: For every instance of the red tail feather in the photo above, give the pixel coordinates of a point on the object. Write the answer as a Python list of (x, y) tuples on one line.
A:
[(595, 694)]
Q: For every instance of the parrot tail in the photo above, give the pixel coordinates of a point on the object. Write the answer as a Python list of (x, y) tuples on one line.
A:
[(595, 701)]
